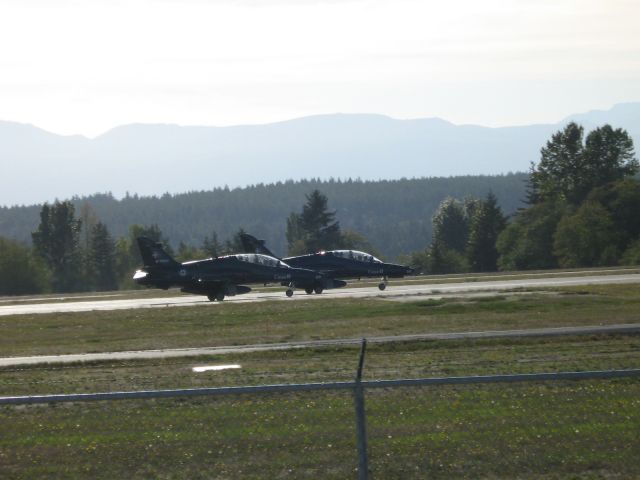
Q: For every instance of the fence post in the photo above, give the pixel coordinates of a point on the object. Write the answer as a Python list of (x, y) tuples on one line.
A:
[(361, 431)]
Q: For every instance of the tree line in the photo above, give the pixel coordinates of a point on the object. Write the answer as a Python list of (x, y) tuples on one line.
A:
[(393, 215), (581, 209)]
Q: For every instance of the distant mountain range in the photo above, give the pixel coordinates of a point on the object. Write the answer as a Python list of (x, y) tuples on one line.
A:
[(39, 166)]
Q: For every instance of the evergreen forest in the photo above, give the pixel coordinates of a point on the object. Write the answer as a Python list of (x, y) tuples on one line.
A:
[(395, 215), (579, 206)]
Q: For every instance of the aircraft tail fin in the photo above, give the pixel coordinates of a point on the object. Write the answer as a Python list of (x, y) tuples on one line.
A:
[(153, 254), (252, 245)]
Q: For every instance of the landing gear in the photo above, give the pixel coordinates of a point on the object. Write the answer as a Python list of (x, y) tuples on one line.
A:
[(289, 292), (318, 289), (309, 290), (383, 284), (219, 296)]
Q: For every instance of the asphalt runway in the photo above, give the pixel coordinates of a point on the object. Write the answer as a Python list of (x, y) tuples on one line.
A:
[(393, 292)]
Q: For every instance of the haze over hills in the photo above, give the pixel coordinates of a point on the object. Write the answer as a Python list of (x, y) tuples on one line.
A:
[(39, 166)]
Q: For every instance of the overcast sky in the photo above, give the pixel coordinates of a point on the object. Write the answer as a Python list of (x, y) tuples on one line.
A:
[(87, 66)]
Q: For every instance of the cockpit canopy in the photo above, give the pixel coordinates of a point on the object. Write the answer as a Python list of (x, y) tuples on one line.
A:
[(355, 255), (260, 259)]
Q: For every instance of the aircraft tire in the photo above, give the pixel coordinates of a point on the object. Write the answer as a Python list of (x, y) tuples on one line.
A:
[(309, 290), (318, 289), (211, 298), (289, 292), (382, 286), (220, 296)]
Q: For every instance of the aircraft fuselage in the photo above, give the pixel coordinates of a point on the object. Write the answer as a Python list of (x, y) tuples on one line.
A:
[(346, 264)]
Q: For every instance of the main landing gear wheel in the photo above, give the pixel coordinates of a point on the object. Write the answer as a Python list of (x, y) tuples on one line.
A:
[(318, 290), (289, 292), (217, 296), (309, 290), (382, 285)]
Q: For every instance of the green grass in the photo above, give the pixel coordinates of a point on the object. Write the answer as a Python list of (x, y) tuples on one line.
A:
[(552, 430), (586, 429), (239, 324), (383, 361)]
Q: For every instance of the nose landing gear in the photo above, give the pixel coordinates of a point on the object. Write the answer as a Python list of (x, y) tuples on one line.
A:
[(383, 284)]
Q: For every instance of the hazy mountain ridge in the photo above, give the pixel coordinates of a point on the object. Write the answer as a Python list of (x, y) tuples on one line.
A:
[(150, 159)]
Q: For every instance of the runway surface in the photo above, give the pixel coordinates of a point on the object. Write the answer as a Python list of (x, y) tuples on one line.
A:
[(394, 292)]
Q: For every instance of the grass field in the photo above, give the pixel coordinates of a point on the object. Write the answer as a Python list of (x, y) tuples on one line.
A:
[(238, 324), (585, 429)]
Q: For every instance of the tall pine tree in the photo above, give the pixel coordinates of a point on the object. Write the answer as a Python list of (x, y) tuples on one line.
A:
[(57, 242), (485, 226), (102, 252), (315, 228)]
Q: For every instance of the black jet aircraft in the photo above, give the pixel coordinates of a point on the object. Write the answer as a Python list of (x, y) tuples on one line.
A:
[(217, 277), (335, 263)]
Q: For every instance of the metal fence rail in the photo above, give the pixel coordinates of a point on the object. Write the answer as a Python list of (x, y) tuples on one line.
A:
[(297, 387)]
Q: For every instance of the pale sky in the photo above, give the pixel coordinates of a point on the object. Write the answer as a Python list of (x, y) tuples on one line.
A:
[(83, 67)]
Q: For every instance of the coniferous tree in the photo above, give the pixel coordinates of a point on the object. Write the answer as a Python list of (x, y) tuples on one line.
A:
[(485, 226), (212, 246), (57, 242), (394, 215), (450, 225), (315, 228), (102, 258), (446, 254), (321, 229), (88, 220)]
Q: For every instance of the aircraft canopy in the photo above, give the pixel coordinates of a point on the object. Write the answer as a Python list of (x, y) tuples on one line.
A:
[(260, 259), (355, 255)]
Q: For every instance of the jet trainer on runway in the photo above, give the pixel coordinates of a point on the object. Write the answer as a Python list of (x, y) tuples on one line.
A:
[(335, 263), (217, 277)]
